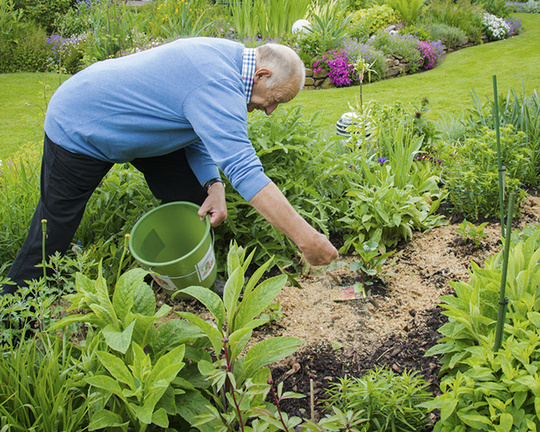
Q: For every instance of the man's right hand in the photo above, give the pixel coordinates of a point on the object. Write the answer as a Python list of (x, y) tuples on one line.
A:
[(319, 251)]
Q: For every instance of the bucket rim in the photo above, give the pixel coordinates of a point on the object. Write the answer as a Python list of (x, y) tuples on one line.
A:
[(151, 264)]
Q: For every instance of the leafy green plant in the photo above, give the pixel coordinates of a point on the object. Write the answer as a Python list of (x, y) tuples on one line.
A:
[(39, 387), (472, 177), (467, 230), (130, 362), (111, 31), (330, 22), (451, 36), (408, 9), (401, 45), (520, 111), (389, 401), (170, 19), (378, 17), (461, 14), (483, 389), (371, 261), (239, 380)]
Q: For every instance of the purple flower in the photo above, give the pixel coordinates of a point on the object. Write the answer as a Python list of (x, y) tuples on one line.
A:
[(382, 160)]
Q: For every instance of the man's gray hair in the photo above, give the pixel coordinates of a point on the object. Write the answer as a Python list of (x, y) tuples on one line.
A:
[(284, 63)]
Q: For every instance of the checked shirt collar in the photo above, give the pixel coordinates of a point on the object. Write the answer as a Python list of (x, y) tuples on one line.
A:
[(248, 71)]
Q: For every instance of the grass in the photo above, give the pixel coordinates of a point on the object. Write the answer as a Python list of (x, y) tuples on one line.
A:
[(23, 99), (514, 61)]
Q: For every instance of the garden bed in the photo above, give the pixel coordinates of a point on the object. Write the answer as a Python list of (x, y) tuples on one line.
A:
[(392, 328)]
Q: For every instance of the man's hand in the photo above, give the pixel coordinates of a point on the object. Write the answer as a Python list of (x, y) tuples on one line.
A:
[(318, 251), (214, 205)]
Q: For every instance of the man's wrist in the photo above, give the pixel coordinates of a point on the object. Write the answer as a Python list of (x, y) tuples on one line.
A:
[(211, 182)]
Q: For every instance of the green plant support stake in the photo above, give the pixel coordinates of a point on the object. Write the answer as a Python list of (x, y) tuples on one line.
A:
[(503, 300), (499, 157), (43, 254)]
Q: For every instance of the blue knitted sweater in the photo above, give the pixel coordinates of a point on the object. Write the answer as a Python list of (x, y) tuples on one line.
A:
[(187, 93)]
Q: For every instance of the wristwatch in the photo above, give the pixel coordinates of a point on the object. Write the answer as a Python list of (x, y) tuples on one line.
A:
[(210, 182)]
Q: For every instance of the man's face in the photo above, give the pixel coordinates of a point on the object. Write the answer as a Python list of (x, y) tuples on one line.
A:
[(267, 99)]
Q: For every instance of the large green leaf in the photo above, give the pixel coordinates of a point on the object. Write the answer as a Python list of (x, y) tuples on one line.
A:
[(192, 404), (258, 300), (116, 367), (213, 334), (123, 292), (106, 383), (231, 292), (211, 300), (105, 419), (144, 300), (268, 351), (119, 340)]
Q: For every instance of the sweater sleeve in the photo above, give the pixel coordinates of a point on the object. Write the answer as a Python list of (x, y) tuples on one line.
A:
[(217, 112), (201, 162)]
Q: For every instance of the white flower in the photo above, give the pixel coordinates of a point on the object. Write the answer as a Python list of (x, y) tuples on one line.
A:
[(496, 28)]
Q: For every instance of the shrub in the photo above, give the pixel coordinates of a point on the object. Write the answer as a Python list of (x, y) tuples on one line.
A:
[(531, 6), (313, 45), (407, 9), (430, 52), (44, 13), (29, 54), (75, 21), (473, 179), (396, 44), (461, 14), (515, 26), (450, 36), (495, 7), (67, 54), (419, 32), (378, 17)]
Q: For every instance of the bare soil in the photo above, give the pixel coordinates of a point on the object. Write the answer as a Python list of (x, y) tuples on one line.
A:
[(392, 327)]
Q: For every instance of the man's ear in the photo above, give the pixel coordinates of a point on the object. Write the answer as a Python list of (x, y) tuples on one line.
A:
[(261, 73)]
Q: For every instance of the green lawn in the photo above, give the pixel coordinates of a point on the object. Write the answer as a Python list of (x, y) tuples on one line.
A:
[(515, 62)]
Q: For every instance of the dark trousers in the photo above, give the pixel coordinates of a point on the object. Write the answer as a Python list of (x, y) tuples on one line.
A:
[(67, 183)]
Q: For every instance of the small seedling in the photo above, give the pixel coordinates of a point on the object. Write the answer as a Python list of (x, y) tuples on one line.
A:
[(372, 260), (475, 233)]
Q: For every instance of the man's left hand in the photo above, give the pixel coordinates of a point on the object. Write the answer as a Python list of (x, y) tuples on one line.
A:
[(214, 205)]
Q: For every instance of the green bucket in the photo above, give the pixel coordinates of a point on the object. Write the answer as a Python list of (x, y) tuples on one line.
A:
[(175, 246)]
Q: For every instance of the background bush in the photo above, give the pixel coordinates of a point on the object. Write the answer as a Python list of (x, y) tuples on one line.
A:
[(451, 36), (44, 13)]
